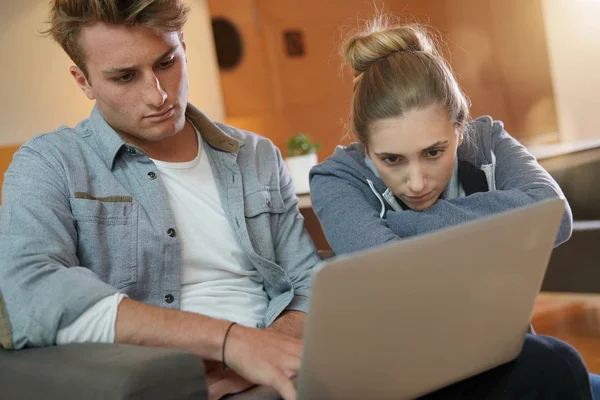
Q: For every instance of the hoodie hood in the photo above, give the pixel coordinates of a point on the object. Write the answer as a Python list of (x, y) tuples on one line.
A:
[(352, 163)]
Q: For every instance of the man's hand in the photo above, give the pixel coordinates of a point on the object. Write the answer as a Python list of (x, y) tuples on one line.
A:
[(264, 357), (221, 382)]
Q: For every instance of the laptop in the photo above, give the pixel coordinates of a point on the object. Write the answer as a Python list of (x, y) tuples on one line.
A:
[(405, 319)]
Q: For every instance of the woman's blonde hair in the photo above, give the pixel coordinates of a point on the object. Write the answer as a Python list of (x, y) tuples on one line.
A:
[(397, 68), (67, 17)]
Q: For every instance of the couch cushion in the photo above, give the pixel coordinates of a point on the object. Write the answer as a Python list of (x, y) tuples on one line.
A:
[(101, 371)]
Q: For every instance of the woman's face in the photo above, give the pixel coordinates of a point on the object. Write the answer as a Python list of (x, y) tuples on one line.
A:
[(415, 153)]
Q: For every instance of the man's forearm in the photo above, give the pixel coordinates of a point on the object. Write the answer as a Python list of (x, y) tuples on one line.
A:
[(290, 323), (141, 324)]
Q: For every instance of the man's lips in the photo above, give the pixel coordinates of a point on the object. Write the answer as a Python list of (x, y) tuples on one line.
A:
[(161, 115)]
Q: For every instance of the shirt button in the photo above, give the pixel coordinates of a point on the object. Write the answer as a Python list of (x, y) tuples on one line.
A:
[(171, 232), (268, 203), (169, 299), (131, 150), (152, 175)]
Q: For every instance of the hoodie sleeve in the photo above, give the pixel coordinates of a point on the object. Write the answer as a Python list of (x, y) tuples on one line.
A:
[(349, 219), (520, 181)]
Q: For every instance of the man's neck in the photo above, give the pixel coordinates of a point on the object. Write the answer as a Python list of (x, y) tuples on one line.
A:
[(181, 147)]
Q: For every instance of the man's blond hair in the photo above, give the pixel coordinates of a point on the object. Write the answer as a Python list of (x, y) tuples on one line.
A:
[(67, 17)]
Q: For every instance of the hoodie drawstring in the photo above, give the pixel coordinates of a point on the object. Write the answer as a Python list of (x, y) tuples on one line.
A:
[(382, 212)]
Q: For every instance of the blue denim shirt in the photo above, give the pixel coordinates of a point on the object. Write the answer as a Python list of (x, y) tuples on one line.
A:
[(84, 214)]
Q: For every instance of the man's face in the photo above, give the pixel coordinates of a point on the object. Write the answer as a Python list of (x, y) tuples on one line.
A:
[(414, 154), (138, 78)]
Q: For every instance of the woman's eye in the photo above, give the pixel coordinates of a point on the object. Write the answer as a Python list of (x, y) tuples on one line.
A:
[(392, 160), (434, 153)]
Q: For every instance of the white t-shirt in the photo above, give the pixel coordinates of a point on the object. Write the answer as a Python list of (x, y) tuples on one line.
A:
[(217, 278)]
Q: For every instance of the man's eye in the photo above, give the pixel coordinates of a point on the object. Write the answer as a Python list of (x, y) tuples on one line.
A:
[(166, 64), (124, 78)]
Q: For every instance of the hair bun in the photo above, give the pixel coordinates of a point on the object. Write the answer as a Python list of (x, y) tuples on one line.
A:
[(377, 43)]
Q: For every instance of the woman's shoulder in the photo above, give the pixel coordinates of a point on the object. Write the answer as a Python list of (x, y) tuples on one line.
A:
[(484, 125), (343, 157), (347, 163), (480, 139)]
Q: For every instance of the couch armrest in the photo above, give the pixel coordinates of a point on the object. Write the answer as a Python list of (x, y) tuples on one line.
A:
[(575, 265), (101, 371)]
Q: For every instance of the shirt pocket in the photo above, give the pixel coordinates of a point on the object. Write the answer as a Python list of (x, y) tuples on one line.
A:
[(266, 200), (107, 238), (262, 209)]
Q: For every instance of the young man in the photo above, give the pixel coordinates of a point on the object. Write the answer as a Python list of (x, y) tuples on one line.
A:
[(147, 223)]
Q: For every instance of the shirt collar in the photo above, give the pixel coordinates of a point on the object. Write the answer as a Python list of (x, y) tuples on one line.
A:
[(110, 143)]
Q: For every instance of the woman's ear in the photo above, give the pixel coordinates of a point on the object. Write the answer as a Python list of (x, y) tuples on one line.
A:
[(366, 149), (461, 135)]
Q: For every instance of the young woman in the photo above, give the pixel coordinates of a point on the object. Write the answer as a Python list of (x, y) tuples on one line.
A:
[(420, 165)]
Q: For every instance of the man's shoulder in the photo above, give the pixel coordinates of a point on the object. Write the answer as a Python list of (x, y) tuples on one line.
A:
[(62, 139)]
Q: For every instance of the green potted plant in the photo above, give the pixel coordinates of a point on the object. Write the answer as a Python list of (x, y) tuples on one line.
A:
[(302, 156)]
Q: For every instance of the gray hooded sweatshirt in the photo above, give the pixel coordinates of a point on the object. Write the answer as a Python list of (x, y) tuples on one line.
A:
[(493, 173)]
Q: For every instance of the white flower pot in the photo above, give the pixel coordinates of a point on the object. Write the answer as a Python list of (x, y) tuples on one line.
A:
[(299, 167)]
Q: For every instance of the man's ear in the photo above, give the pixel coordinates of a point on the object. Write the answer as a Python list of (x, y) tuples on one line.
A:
[(82, 82), (183, 44)]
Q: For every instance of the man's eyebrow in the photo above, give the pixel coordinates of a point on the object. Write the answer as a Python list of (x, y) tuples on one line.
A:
[(433, 146), (130, 69)]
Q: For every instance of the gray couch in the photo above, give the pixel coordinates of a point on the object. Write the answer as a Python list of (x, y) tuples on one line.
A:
[(101, 371), (575, 265)]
